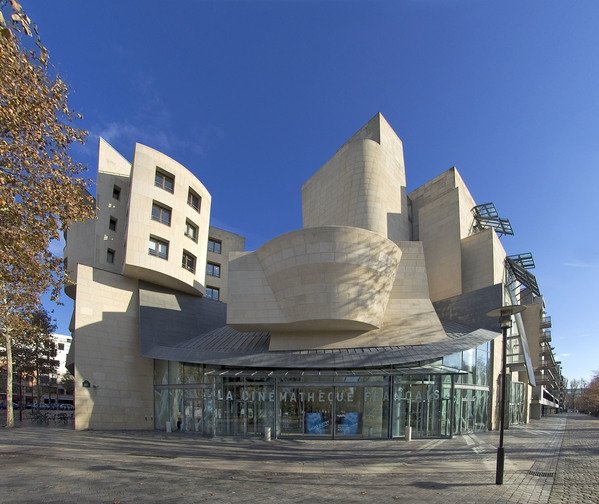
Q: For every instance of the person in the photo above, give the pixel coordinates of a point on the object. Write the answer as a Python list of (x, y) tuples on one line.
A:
[(178, 420)]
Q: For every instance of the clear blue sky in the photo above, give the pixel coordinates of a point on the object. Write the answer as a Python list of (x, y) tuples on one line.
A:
[(255, 96)]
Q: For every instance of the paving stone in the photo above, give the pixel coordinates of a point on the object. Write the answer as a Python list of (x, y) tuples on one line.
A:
[(552, 460)]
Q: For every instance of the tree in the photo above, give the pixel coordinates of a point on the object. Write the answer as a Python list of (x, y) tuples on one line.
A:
[(35, 350), (588, 401), (68, 383), (41, 191)]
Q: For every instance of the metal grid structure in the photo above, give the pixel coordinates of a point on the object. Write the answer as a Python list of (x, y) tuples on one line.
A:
[(517, 267), (486, 216)]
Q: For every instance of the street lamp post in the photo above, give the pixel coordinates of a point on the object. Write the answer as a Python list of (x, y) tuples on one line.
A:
[(505, 321)]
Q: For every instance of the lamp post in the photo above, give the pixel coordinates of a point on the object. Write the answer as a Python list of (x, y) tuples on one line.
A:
[(505, 321)]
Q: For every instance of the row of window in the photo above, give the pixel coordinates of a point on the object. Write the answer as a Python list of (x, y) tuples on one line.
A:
[(162, 214), (166, 181), (191, 230), (159, 248)]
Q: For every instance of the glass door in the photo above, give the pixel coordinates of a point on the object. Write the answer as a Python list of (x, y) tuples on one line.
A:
[(349, 407), (467, 415), (193, 412), (318, 410)]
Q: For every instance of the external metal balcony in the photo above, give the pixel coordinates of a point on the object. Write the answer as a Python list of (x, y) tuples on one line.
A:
[(545, 336), (545, 322)]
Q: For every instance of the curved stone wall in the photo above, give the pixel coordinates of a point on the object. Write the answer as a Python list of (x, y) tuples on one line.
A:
[(328, 277)]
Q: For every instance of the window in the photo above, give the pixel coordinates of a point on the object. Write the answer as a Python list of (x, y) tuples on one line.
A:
[(213, 269), (193, 200), (189, 261), (158, 248), (116, 192), (112, 224), (61, 346), (214, 246), (110, 256), (164, 181), (191, 230), (161, 214), (213, 293)]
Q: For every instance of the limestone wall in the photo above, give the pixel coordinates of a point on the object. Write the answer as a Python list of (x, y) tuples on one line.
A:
[(107, 355), (144, 193)]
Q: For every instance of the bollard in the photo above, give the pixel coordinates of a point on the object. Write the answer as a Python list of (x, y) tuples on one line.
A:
[(168, 427), (267, 431), (408, 433)]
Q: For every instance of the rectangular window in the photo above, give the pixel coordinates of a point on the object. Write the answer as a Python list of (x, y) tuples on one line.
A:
[(116, 192), (213, 293), (213, 269), (110, 256), (158, 248), (164, 181), (112, 224), (214, 246), (161, 214), (194, 200), (191, 230), (189, 261)]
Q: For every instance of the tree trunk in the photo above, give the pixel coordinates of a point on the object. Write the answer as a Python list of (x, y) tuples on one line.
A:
[(10, 419)]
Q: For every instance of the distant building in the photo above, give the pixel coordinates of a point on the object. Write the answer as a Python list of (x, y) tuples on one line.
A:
[(368, 320), (63, 344)]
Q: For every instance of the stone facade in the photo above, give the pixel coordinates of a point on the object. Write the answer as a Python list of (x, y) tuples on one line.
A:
[(404, 277)]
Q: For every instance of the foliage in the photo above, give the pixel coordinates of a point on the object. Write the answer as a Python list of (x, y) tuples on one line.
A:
[(40, 189), (34, 351), (588, 402), (68, 382), (573, 390)]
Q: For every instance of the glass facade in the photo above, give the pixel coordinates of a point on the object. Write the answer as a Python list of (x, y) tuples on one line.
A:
[(517, 404), (211, 401)]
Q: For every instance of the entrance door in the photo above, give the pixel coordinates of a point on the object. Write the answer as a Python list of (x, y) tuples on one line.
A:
[(192, 420), (467, 416), (318, 411)]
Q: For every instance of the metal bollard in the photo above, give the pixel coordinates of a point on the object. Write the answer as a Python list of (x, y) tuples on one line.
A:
[(267, 431), (408, 433)]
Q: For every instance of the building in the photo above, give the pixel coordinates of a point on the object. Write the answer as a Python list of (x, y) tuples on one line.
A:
[(47, 387), (369, 320)]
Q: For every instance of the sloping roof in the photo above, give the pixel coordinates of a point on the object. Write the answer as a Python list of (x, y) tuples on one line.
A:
[(179, 327), (228, 347)]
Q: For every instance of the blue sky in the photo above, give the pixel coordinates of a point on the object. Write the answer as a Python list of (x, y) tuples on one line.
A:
[(254, 96)]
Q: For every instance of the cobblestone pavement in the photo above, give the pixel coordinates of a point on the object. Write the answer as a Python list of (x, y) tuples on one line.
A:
[(577, 474), (40, 465)]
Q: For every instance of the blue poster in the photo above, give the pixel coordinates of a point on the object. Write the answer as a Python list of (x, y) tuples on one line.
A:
[(349, 423), (315, 423)]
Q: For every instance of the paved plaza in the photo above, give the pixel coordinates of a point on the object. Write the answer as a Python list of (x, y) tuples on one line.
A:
[(552, 460)]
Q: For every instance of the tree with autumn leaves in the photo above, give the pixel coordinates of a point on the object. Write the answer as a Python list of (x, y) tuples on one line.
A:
[(588, 402), (41, 189)]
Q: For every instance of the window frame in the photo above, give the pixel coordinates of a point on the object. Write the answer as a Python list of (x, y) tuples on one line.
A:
[(155, 252), (164, 175), (192, 194), (215, 266), (215, 242), (162, 208), (112, 222), (110, 256), (116, 192), (191, 224), (184, 263), (213, 290)]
